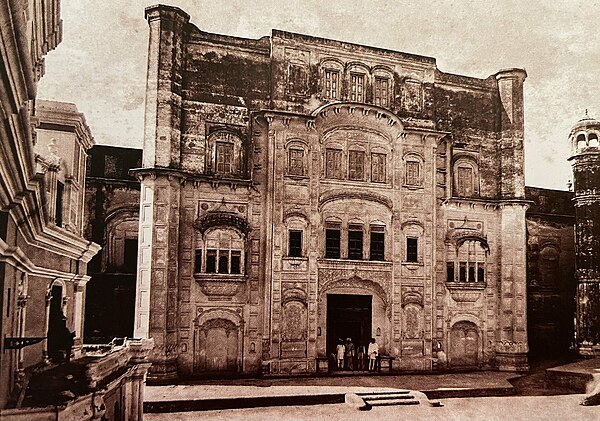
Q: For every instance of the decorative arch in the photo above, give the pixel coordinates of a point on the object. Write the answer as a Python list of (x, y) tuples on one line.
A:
[(357, 64), (219, 313), (222, 219), (294, 294), (359, 283), (295, 214), (218, 341), (362, 195)]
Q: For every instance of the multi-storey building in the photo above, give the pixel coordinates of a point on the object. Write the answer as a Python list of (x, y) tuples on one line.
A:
[(296, 190), (43, 254), (112, 206)]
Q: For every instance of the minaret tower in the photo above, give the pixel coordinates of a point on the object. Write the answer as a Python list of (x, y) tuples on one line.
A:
[(585, 159)]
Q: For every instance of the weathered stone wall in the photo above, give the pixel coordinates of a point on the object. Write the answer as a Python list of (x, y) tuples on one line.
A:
[(236, 152), (550, 271)]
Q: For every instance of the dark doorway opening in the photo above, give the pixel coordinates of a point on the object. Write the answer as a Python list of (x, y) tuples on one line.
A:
[(55, 322), (348, 316)]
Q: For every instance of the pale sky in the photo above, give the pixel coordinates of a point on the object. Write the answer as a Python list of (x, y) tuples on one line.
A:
[(101, 63)]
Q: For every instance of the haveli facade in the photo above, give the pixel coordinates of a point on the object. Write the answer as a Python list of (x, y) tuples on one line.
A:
[(296, 190)]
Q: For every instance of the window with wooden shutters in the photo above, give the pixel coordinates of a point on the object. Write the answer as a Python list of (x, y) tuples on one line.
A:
[(224, 158), (355, 242), (295, 161), (413, 173), (332, 241), (356, 165), (382, 91), (377, 249), (464, 182), (332, 78), (333, 163), (378, 167), (357, 86)]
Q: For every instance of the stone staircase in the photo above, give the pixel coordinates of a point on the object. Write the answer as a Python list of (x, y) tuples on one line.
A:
[(388, 398)]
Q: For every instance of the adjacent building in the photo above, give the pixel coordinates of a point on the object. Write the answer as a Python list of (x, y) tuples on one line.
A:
[(585, 159), (296, 190), (43, 253), (112, 218)]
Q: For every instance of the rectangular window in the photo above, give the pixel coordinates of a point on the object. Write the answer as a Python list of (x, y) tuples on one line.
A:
[(130, 252), (412, 173), (333, 163), (377, 251), (296, 162), (356, 165), (197, 260), (297, 79), (224, 158), (332, 243), (357, 87), (332, 78), (223, 261), (378, 167), (382, 91), (463, 272), (355, 242), (295, 249), (480, 273), (450, 272), (211, 261), (465, 181), (412, 251), (58, 214), (472, 272), (236, 261)]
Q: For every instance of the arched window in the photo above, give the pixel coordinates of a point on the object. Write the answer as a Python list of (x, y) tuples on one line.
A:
[(226, 153), (466, 263), (297, 158), (220, 251), (331, 77), (581, 141), (593, 140), (413, 170), (466, 178)]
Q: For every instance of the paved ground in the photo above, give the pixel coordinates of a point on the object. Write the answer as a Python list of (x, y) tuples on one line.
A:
[(317, 385), (515, 408)]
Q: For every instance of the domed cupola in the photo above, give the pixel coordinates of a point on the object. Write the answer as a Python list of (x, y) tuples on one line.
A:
[(585, 135)]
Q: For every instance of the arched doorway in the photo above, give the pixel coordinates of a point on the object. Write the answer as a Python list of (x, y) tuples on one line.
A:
[(56, 322), (217, 347), (464, 345)]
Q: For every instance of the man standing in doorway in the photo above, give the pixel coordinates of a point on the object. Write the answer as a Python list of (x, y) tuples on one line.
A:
[(350, 352), (373, 352)]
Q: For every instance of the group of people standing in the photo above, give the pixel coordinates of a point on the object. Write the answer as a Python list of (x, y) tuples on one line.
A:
[(346, 354)]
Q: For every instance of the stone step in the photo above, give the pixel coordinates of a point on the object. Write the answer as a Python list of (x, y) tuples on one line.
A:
[(384, 397), (385, 392), (392, 401)]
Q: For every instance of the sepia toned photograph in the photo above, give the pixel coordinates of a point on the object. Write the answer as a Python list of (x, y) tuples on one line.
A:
[(299, 210)]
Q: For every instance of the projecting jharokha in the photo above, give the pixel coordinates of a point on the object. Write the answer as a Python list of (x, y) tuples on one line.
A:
[(297, 190)]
